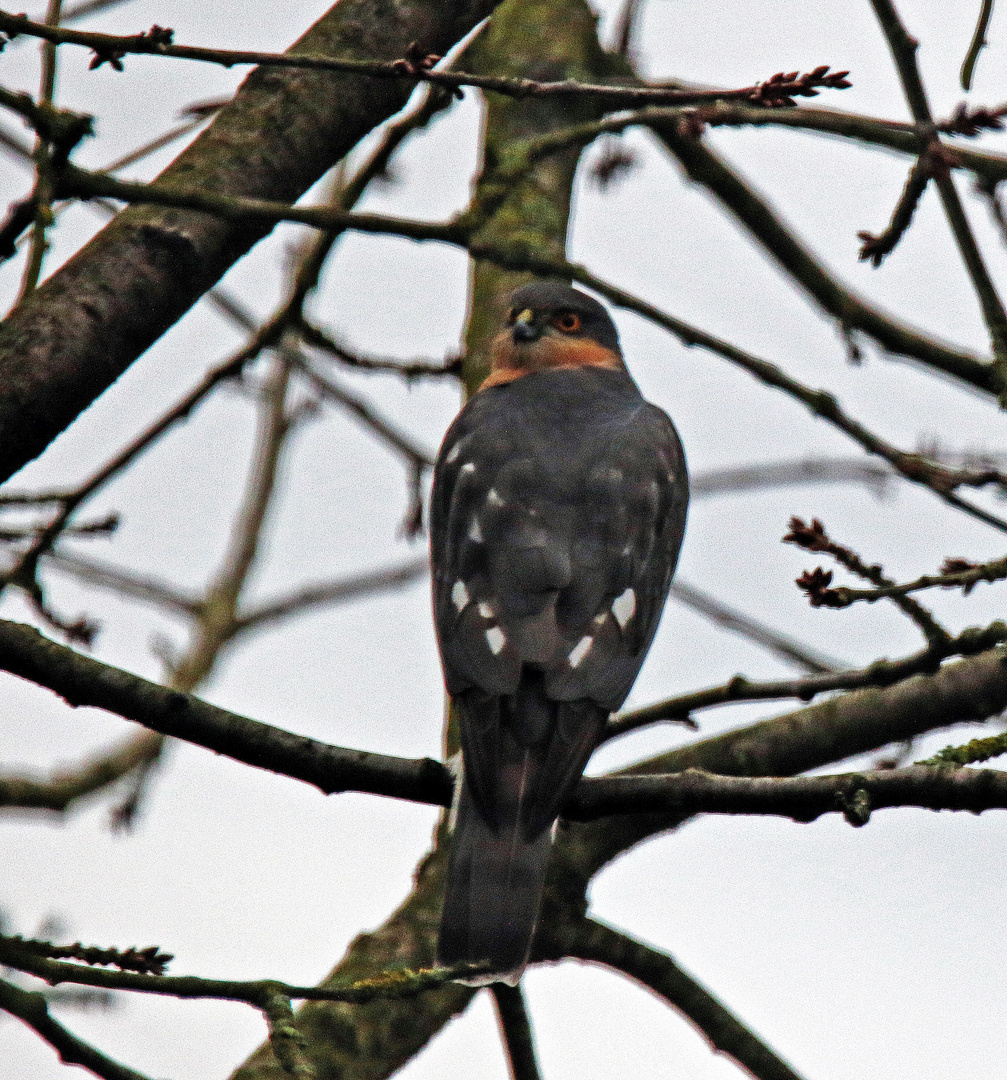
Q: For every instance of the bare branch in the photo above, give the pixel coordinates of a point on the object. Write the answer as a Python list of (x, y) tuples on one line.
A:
[(703, 166), (959, 573), (124, 582), (880, 673), (419, 66), (626, 27), (382, 985), (814, 538), (33, 1009), (903, 49), (384, 429), (44, 167), (875, 477), (318, 339), (594, 941), (148, 961), (977, 44), (216, 616), (940, 480), (875, 248), (62, 791), (515, 1027), (803, 798), (329, 592), (82, 680), (786, 648), (274, 141)]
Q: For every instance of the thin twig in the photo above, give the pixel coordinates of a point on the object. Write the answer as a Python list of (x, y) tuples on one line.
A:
[(24, 574), (216, 615), (626, 27), (351, 587), (977, 44), (382, 985), (595, 942), (124, 582), (730, 618), (880, 673), (875, 248), (62, 791), (903, 48), (964, 578), (44, 180), (737, 479), (411, 369), (515, 1028), (814, 538), (384, 429), (33, 1009), (779, 90)]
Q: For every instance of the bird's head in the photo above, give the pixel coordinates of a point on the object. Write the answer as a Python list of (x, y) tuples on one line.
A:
[(550, 325)]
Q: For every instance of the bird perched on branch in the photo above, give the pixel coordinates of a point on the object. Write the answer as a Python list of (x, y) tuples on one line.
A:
[(557, 514)]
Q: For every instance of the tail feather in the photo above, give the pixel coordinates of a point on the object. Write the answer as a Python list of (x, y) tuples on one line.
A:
[(494, 888), (522, 754)]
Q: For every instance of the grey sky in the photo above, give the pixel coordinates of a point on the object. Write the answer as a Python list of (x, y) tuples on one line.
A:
[(867, 953)]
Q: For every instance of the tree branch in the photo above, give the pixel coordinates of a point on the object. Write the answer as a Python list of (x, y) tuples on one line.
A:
[(417, 65), (328, 592), (875, 248), (903, 49), (813, 537), (977, 44), (959, 574), (804, 798), (397, 440), (82, 680), (782, 646), (63, 789), (732, 480), (912, 466), (318, 339), (765, 225), (382, 986), (124, 582), (881, 673), (515, 1028), (855, 723), (33, 1009), (84, 326), (593, 941)]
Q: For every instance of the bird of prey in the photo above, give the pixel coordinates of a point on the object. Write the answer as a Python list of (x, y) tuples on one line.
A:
[(557, 514)]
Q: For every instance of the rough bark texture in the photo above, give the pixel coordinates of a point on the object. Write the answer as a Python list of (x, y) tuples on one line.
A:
[(73, 337), (536, 39)]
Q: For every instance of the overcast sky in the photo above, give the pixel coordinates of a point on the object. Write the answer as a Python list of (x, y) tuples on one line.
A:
[(855, 953)]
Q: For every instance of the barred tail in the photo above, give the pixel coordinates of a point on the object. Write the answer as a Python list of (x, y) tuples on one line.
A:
[(494, 888)]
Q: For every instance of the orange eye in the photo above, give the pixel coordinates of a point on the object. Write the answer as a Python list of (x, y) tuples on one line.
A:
[(568, 322)]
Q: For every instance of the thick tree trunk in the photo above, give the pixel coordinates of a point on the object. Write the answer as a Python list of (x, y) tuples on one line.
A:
[(74, 336)]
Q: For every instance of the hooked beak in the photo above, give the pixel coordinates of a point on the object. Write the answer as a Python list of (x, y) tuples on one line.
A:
[(524, 328)]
